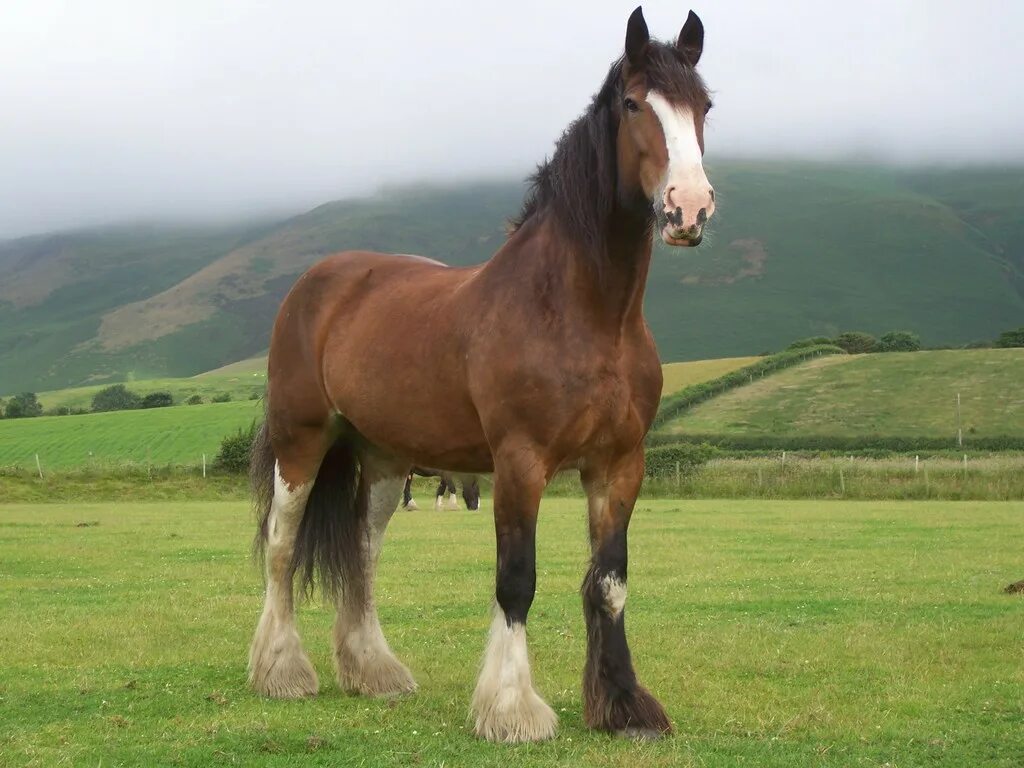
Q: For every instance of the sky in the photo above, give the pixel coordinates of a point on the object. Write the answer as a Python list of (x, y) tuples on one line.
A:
[(114, 111)]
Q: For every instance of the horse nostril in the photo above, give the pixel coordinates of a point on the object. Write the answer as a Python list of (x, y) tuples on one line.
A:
[(712, 191), (702, 216)]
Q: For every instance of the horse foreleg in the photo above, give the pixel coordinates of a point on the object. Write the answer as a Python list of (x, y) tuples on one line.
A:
[(505, 705), (363, 659), (613, 700)]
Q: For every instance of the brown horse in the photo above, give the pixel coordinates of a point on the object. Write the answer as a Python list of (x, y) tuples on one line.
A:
[(347, 415)]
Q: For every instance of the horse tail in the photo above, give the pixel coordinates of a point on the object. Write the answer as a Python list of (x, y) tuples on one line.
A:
[(262, 465), (330, 543), (328, 548)]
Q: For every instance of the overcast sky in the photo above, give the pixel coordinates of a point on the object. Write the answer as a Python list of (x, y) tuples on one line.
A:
[(124, 110)]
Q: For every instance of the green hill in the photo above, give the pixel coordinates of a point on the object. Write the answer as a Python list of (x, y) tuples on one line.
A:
[(895, 394), (176, 435), (797, 249)]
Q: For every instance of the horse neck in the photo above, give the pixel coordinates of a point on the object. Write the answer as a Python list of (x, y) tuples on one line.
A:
[(608, 291)]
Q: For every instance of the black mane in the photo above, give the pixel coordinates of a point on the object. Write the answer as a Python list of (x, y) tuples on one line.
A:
[(579, 184)]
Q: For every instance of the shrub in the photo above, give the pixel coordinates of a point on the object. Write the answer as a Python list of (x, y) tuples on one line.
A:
[(233, 455), (255, 395), (813, 341), (157, 400), (899, 341), (194, 400), (23, 406), (856, 343), (223, 397), (116, 397), (1012, 338)]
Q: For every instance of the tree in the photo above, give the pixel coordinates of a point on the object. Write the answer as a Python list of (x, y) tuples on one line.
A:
[(856, 343), (23, 406), (115, 398), (157, 400), (1012, 338), (899, 341)]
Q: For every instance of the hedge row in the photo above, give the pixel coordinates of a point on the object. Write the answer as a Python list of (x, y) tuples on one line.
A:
[(663, 462), (894, 443), (673, 405)]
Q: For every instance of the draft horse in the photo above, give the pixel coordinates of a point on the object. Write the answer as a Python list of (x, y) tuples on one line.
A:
[(347, 414), (446, 486)]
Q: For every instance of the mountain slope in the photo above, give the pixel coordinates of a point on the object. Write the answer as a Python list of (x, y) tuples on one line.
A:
[(796, 250)]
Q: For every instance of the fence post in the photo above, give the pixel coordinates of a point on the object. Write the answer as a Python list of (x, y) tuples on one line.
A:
[(39, 467), (842, 483), (204, 466), (783, 459), (917, 464), (677, 475), (965, 466)]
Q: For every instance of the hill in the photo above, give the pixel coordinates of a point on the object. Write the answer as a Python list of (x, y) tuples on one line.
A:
[(797, 249), (895, 394), (176, 435), (679, 375)]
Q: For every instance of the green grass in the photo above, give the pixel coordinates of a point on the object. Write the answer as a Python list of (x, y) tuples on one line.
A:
[(776, 634), (680, 375), (904, 394), (175, 435)]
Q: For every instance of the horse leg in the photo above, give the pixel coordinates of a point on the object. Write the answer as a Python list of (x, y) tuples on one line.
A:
[(453, 498), (439, 497), (505, 705), (278, 666), (363, 659), (408, 502), (613, 700), (471, 492)]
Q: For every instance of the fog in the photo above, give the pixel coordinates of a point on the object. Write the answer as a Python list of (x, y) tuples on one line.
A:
[(113, 111)]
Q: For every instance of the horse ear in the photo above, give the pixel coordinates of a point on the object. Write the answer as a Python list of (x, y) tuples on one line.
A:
[(691, 39), (637, 37)]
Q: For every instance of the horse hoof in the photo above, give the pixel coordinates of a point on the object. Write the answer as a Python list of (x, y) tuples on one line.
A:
[(412, 506), (640, 734), (287, 677), (383, 677), (514, 716)]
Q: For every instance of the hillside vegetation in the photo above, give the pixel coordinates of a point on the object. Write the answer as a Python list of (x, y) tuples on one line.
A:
[(901, 394), (176, 435), (797, 250)]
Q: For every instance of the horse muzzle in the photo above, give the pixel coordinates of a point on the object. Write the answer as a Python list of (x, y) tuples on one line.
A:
[(675, 232)]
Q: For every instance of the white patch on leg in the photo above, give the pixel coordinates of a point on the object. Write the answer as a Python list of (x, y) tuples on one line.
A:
[(364, 661), (438, 503), (505, 706), (614, 595), (278, 666)]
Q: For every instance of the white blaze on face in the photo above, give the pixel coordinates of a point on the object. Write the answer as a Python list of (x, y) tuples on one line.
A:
[(685, 185)]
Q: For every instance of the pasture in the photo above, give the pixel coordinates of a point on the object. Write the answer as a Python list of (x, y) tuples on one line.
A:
[(680, 375), (904, 394), (175, 435), (776, 633)]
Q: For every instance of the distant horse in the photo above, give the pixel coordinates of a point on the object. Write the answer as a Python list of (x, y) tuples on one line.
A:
[(470, 490), (564, 374)]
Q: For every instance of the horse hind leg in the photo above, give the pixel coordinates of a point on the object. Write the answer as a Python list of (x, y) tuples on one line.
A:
[(363, 659), (278, 665)]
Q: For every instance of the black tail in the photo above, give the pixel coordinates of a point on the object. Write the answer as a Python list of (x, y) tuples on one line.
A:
[(329, 544)]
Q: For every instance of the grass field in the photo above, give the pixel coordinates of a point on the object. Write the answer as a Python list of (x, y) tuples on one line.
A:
[(175, 435), (679, 375), (883, 394), (776, 634)]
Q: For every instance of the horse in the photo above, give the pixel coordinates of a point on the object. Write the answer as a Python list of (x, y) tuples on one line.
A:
[(347, 415), (470, 490)]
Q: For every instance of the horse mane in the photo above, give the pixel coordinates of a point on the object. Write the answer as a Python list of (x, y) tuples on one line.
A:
[(579, 183)]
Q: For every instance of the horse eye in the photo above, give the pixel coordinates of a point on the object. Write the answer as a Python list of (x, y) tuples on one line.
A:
[(707, 107), (631, 105)]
